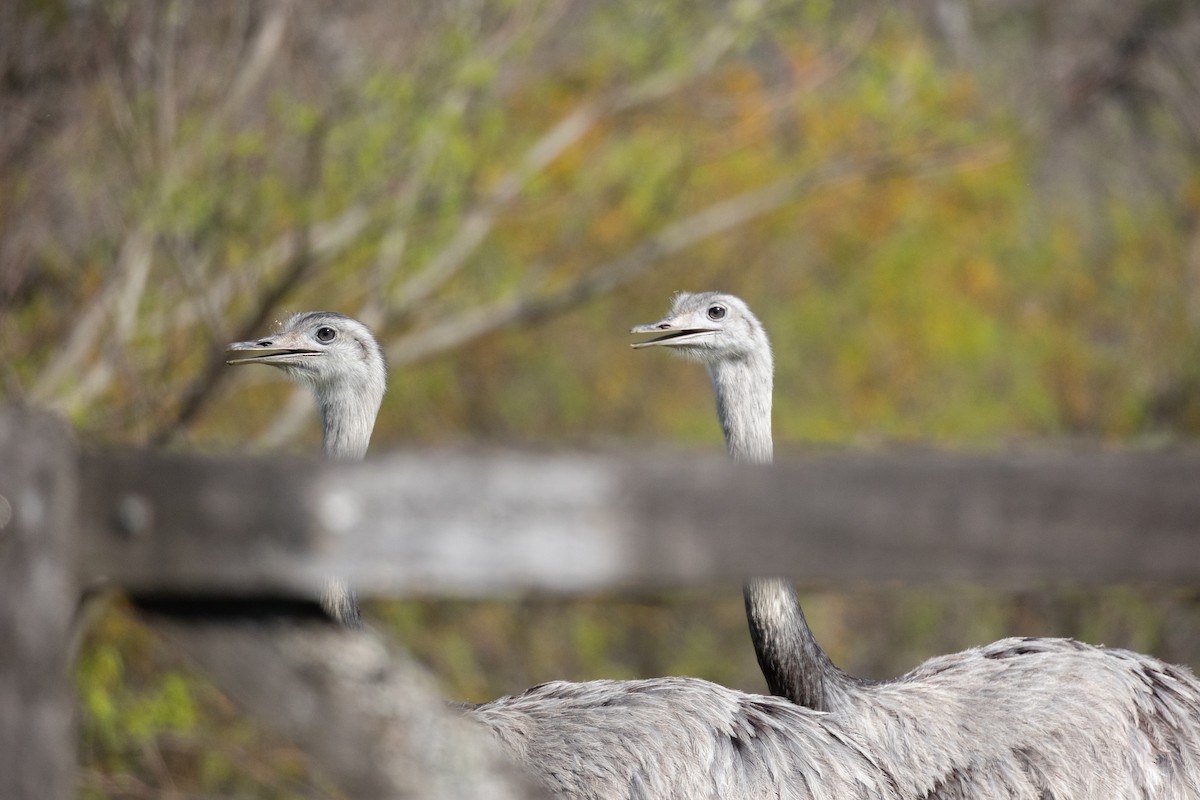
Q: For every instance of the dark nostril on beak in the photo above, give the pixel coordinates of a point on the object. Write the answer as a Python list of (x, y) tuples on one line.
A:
[(264, 342), (662, 326)]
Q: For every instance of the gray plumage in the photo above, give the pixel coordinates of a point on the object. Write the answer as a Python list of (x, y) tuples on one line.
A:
[(680, 739), (793, 663), (1019, 719), (343, 363), (1037, 718)]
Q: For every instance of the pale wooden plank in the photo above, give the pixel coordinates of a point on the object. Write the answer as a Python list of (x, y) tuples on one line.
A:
[(487, 522)]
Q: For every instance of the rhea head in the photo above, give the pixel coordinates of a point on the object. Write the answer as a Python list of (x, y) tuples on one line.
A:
[(340, 358), (708, 327)]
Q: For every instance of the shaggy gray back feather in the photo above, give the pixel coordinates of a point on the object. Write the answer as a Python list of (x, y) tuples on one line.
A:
[(1019, 719), (679, 739), (1036, 718)]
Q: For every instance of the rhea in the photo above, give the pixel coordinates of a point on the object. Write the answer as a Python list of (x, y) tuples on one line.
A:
[(343, 363), (341, 360), (958, 708), (719, 331)]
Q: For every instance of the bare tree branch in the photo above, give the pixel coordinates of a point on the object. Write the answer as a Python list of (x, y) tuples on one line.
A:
[(300, 265), (479, 221), (117, 303), (133, 264), (393, 243), (266, 47), (716, 219), (326, 240)]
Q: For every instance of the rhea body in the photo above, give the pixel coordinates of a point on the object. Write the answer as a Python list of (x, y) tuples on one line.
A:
[(1062, 720)]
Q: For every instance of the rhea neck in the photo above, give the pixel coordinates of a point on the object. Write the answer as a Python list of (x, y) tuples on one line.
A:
[(793, 663), (791, 660), (743, 387), (348, 410)]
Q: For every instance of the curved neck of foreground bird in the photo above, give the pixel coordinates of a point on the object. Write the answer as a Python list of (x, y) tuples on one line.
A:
[(348, 416), (793, 663)]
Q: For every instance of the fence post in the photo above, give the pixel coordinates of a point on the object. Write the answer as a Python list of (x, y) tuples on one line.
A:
[(38, 596)]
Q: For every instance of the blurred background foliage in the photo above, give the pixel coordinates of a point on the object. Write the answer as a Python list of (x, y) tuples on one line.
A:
[(967, 223)]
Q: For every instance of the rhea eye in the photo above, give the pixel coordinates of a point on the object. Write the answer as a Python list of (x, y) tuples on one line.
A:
[(326, 334), (716, 312)]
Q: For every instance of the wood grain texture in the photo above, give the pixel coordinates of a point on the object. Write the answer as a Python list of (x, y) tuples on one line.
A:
[(482, 523)]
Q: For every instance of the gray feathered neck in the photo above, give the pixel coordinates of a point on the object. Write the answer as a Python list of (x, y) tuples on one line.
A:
[(793, 663), (348, 414), (743, 388), (791, 660)]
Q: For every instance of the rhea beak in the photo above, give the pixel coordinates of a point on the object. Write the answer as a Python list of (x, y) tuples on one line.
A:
[(276, 350), (672, 334)]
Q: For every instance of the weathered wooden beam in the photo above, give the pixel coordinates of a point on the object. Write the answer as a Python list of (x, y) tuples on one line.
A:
[(366, 714), (38, 597), (479, 523)]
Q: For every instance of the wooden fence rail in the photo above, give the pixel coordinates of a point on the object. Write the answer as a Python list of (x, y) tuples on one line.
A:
[(479, 523), (246, 545)]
